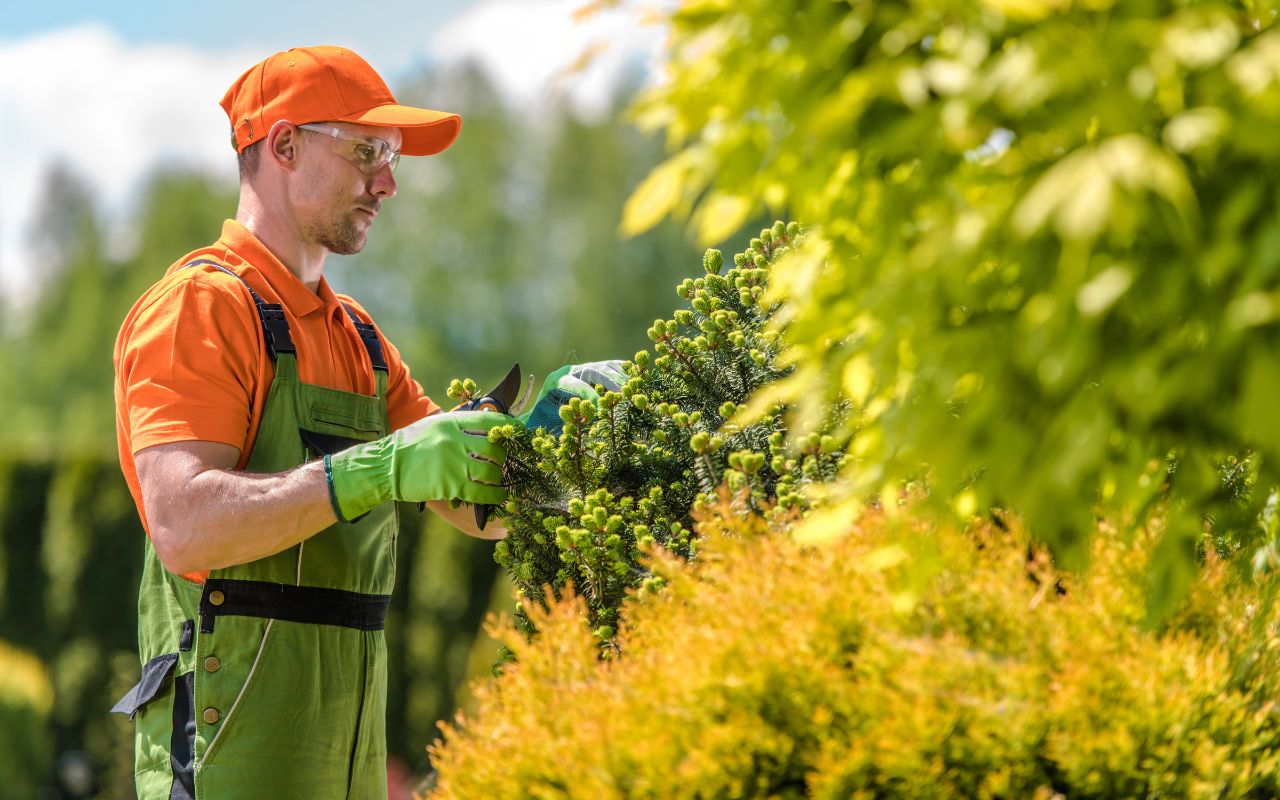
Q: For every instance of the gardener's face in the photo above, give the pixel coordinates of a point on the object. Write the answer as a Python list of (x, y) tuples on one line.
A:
[(343, 180)]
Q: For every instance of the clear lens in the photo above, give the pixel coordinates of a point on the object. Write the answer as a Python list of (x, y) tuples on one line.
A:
[(367, 153)]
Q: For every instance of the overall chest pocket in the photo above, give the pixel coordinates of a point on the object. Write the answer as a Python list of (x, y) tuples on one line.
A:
[(331, 431)]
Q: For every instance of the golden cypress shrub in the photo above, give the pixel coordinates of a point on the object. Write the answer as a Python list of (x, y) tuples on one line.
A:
[(902, 660)]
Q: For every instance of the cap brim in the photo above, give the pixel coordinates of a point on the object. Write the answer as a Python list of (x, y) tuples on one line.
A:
[(426, 132)]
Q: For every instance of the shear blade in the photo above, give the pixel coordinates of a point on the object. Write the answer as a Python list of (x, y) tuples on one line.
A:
[(517, 408), (508, 389)]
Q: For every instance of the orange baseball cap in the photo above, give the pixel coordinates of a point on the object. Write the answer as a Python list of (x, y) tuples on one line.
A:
[(326, 84)]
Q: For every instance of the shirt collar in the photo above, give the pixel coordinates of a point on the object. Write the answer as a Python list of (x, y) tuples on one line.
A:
[(292, 292)]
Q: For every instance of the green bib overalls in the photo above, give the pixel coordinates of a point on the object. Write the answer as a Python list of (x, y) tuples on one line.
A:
[(270, 679)]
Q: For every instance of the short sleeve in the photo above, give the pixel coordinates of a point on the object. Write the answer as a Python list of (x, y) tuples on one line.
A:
[(189, 364)]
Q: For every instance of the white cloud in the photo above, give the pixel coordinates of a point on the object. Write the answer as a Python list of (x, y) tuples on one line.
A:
[(112, 112), (528, 48)]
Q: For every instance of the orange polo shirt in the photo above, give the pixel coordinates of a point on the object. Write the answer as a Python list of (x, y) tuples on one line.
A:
[(191, 363)]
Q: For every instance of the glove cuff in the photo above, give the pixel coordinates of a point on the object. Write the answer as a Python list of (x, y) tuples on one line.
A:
[(359, 479)]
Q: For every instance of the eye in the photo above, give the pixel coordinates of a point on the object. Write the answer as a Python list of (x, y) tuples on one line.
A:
[(366, 153)]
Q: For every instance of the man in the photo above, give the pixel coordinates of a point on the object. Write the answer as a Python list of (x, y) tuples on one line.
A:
[(264, 425)]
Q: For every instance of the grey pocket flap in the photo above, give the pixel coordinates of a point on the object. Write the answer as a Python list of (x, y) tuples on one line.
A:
[(154, 673)]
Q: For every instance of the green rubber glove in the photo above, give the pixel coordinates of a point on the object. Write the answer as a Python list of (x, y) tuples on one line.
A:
[(440, 457), (571, 380)]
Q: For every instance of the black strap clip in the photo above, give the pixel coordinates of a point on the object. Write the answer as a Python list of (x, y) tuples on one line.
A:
[(368, 335), (275, 328)]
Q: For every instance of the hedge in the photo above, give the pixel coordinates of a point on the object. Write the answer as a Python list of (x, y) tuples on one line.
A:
[(901, 660)]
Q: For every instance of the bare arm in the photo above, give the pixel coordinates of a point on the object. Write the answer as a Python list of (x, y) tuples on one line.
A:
[(203, 514)]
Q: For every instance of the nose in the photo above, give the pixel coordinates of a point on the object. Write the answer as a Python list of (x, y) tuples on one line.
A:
[(383, 184)]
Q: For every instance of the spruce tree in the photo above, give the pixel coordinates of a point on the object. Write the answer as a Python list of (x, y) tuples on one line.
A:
[(628, 473)]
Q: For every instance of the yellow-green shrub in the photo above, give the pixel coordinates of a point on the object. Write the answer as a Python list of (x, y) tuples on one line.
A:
[(901, 660), (26, 697)]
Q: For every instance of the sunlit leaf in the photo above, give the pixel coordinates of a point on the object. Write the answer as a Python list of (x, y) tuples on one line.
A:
[(719, 215), (1099, 294), (1028, 9), (655, 197)]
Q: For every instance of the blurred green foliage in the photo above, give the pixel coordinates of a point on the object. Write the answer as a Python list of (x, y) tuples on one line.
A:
[(503, 249), (25, 699), (71, 547), (1045, 261)]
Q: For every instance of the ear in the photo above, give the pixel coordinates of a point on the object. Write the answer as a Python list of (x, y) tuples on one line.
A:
[(282, 144)]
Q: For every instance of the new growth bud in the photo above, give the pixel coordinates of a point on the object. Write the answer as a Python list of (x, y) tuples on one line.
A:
[(712, 261)]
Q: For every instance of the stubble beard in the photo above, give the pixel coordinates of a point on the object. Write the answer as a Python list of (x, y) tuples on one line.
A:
[(340, 236)]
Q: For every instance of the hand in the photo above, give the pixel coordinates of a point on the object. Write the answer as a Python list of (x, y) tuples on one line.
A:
[(572, 380), (440, 457)]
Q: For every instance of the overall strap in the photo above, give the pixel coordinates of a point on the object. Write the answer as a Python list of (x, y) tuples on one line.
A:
[(275, 328), (373, 346), (368, 335)]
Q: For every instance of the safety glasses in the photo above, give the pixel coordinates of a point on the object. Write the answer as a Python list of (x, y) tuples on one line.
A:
[(366, 152)]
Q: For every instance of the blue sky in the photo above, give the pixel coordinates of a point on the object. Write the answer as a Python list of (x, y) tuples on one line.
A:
[(394, 33), (139, 69)]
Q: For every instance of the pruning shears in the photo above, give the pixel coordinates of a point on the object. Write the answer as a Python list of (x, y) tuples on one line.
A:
[(505, 399)]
